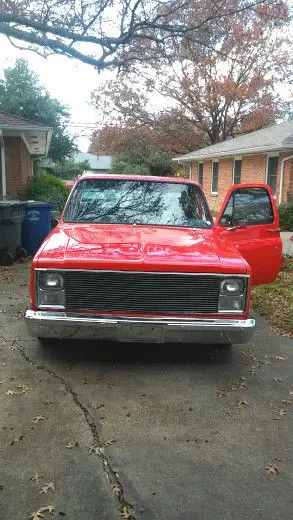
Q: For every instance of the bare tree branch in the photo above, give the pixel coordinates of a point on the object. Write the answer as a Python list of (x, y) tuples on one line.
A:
[(105, 33)]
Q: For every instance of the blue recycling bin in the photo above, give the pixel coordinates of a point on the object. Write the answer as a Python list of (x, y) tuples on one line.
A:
[(36, 224)]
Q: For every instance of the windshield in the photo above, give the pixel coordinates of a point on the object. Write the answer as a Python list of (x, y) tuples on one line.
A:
[(115, 201)]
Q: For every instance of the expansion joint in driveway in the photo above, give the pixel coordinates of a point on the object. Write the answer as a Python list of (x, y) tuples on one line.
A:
[(125, 508)]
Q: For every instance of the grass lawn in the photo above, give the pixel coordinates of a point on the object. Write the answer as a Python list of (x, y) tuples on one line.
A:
[(275, 301)]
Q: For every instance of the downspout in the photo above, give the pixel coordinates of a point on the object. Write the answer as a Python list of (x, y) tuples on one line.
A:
[(3, 166), (282, 176)]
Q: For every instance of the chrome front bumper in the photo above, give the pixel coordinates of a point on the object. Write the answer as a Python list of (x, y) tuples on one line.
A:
[(64, 325)]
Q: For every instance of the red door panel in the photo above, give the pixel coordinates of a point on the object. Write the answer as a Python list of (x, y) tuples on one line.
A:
[(249, 220)]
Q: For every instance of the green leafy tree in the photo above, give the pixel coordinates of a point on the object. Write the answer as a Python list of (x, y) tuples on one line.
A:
[(151, 161), (69, 169), (21, 94)]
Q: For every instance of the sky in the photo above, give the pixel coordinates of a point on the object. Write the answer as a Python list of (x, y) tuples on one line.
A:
[(70, 81)]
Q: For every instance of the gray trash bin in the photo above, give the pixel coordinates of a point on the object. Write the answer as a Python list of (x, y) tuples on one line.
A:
[(11, 216)]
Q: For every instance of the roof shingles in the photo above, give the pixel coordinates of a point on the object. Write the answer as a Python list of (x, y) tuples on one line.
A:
[(8, 121), (277, 137)]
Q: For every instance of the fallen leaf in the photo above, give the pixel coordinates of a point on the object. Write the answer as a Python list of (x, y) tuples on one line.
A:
[(24, 389), (277, 379), (272, 469), (17, 439), (47, 487), (242, 403), (38, 419), (36, 514), (281, 412), (47, 509), (71, 445), (125, 512), (110, 442), (98, 450), (36, 477), (222, 392), (117, 490), (11, 392)]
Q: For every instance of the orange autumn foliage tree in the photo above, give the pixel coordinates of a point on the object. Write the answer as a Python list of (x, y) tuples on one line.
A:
[(196, 96)]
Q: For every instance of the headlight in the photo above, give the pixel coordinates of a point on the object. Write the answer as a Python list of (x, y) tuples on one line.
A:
[(50, 290), (232, 287), (232, 298), (49, 280)]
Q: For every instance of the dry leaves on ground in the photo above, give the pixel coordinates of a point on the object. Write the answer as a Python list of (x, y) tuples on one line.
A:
[(242, 403), (16, 439), (11, 392), (39, 513), (36, 477), (37, 419), (222, 392), (125, 512), (47, 487), (272, 469), (23, 390), (117, 490), (71, 445), (281, 412), (110, 442), (97, 450)]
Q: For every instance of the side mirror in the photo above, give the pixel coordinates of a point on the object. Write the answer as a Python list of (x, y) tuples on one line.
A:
[(54, 222)]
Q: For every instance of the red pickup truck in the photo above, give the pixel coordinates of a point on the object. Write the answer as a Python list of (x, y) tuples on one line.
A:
[(141, 259)]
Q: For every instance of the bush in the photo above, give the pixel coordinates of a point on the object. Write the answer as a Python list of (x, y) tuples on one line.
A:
[(286, 216), (47, 188), (152, 161)]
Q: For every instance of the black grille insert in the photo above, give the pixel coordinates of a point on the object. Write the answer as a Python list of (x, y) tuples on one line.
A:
[(142, 293)]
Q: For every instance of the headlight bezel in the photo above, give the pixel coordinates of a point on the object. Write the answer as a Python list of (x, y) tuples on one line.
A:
[(48, 295), (233, 302)]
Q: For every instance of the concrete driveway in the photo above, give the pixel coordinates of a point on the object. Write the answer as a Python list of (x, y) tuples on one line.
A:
[(138, 431)]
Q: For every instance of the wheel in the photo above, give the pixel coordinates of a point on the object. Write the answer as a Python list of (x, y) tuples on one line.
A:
[(20, 254), (6, 258)]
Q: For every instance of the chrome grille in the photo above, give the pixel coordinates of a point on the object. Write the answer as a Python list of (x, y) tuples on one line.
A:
[(145, 293)]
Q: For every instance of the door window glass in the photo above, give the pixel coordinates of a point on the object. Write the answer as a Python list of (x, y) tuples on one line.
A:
[(248, 205)]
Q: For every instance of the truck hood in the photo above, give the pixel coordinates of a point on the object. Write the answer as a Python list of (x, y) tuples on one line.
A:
[(146, 248)]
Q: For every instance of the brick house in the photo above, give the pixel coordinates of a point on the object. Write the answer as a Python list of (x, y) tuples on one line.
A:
[(263, 156), (20, 141)]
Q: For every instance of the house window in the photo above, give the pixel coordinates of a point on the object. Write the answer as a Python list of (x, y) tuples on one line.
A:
[(200, 173), (215, 176), (272, 173), (237, 171)]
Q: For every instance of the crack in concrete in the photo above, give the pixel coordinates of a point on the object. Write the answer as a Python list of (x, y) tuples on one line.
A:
[(125, 508)]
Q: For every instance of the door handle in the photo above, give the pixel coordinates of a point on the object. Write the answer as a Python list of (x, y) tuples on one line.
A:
[(276, 230)]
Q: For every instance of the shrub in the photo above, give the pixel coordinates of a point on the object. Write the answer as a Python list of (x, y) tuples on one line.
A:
[(286, 216), (152, 161), (47, 188)]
